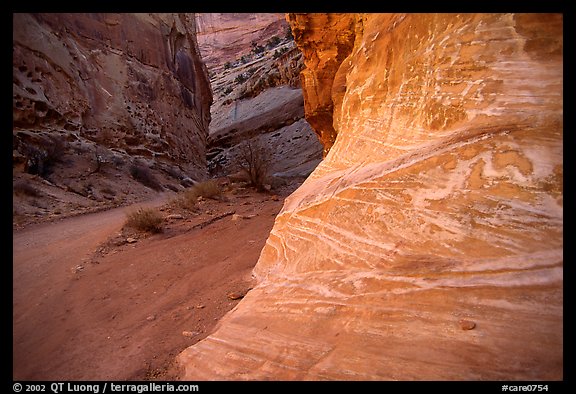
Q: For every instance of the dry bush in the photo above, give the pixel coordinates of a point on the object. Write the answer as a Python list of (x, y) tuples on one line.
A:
[(24, 188), (207, 189), (143, 175), (254, 160), (146, 219), (187, 201), (40, 160)]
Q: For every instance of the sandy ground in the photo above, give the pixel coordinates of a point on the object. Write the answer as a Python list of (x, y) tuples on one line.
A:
[(87, 305)]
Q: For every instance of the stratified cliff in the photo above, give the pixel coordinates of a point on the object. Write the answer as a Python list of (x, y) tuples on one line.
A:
[(254, 68), (428, 243), (134, 82), (225, 37)]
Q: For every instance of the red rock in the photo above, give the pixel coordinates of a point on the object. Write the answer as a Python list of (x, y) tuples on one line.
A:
[(131, 81), (441, 196)]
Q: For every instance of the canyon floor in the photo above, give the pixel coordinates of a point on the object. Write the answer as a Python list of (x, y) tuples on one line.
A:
[(89, 303)]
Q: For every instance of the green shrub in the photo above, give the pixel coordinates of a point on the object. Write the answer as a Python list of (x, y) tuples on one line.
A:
[(146, 219)]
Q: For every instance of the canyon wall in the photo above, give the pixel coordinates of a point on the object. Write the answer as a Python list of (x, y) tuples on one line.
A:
[(225, 37), (134, 82), (428, 245), (254, 68)]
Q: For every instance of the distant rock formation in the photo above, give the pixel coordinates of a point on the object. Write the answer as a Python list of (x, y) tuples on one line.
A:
[(255, 73), (134, 82), (428, 245), (225, 37)]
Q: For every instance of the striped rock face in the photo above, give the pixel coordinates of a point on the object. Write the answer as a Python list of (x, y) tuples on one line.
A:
[(428, 243)]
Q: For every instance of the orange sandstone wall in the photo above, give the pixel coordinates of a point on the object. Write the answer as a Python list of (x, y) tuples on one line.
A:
[(428, 244)]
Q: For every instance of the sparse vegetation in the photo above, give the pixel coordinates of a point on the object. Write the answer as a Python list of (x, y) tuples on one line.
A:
[(146, 219), (258, 49), (24, 188), (142, 174), (279, 52), (207, 189), (189, 199), (186, 200), (272, 42), (40, 160), (240, 78), (254, 161)]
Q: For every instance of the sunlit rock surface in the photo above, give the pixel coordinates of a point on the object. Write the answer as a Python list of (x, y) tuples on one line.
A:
[(134, 82), (428, 244)]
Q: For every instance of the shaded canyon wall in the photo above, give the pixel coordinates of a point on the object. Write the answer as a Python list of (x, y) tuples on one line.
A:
[(428, 243), (134, 82)]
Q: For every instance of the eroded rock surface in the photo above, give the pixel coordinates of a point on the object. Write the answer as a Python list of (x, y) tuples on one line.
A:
[(225, 37), (134, 82), (325, 40), (440, 202), (255, 74)]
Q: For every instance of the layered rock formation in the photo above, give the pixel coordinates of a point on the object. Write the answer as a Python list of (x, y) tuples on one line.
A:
[(225, 37), (274, 119), (428, 243), (134, 82), (255, 74)]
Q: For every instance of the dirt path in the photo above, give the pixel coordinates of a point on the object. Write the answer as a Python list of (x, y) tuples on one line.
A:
[(120, 316)]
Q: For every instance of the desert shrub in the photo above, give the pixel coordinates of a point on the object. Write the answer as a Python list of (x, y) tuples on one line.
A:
[(254, 160), (272, 42), (145, 219), (24, 188), (187, 200), (258, 49), (40, 160), (241, 78), (207, 189), (143, 175)]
